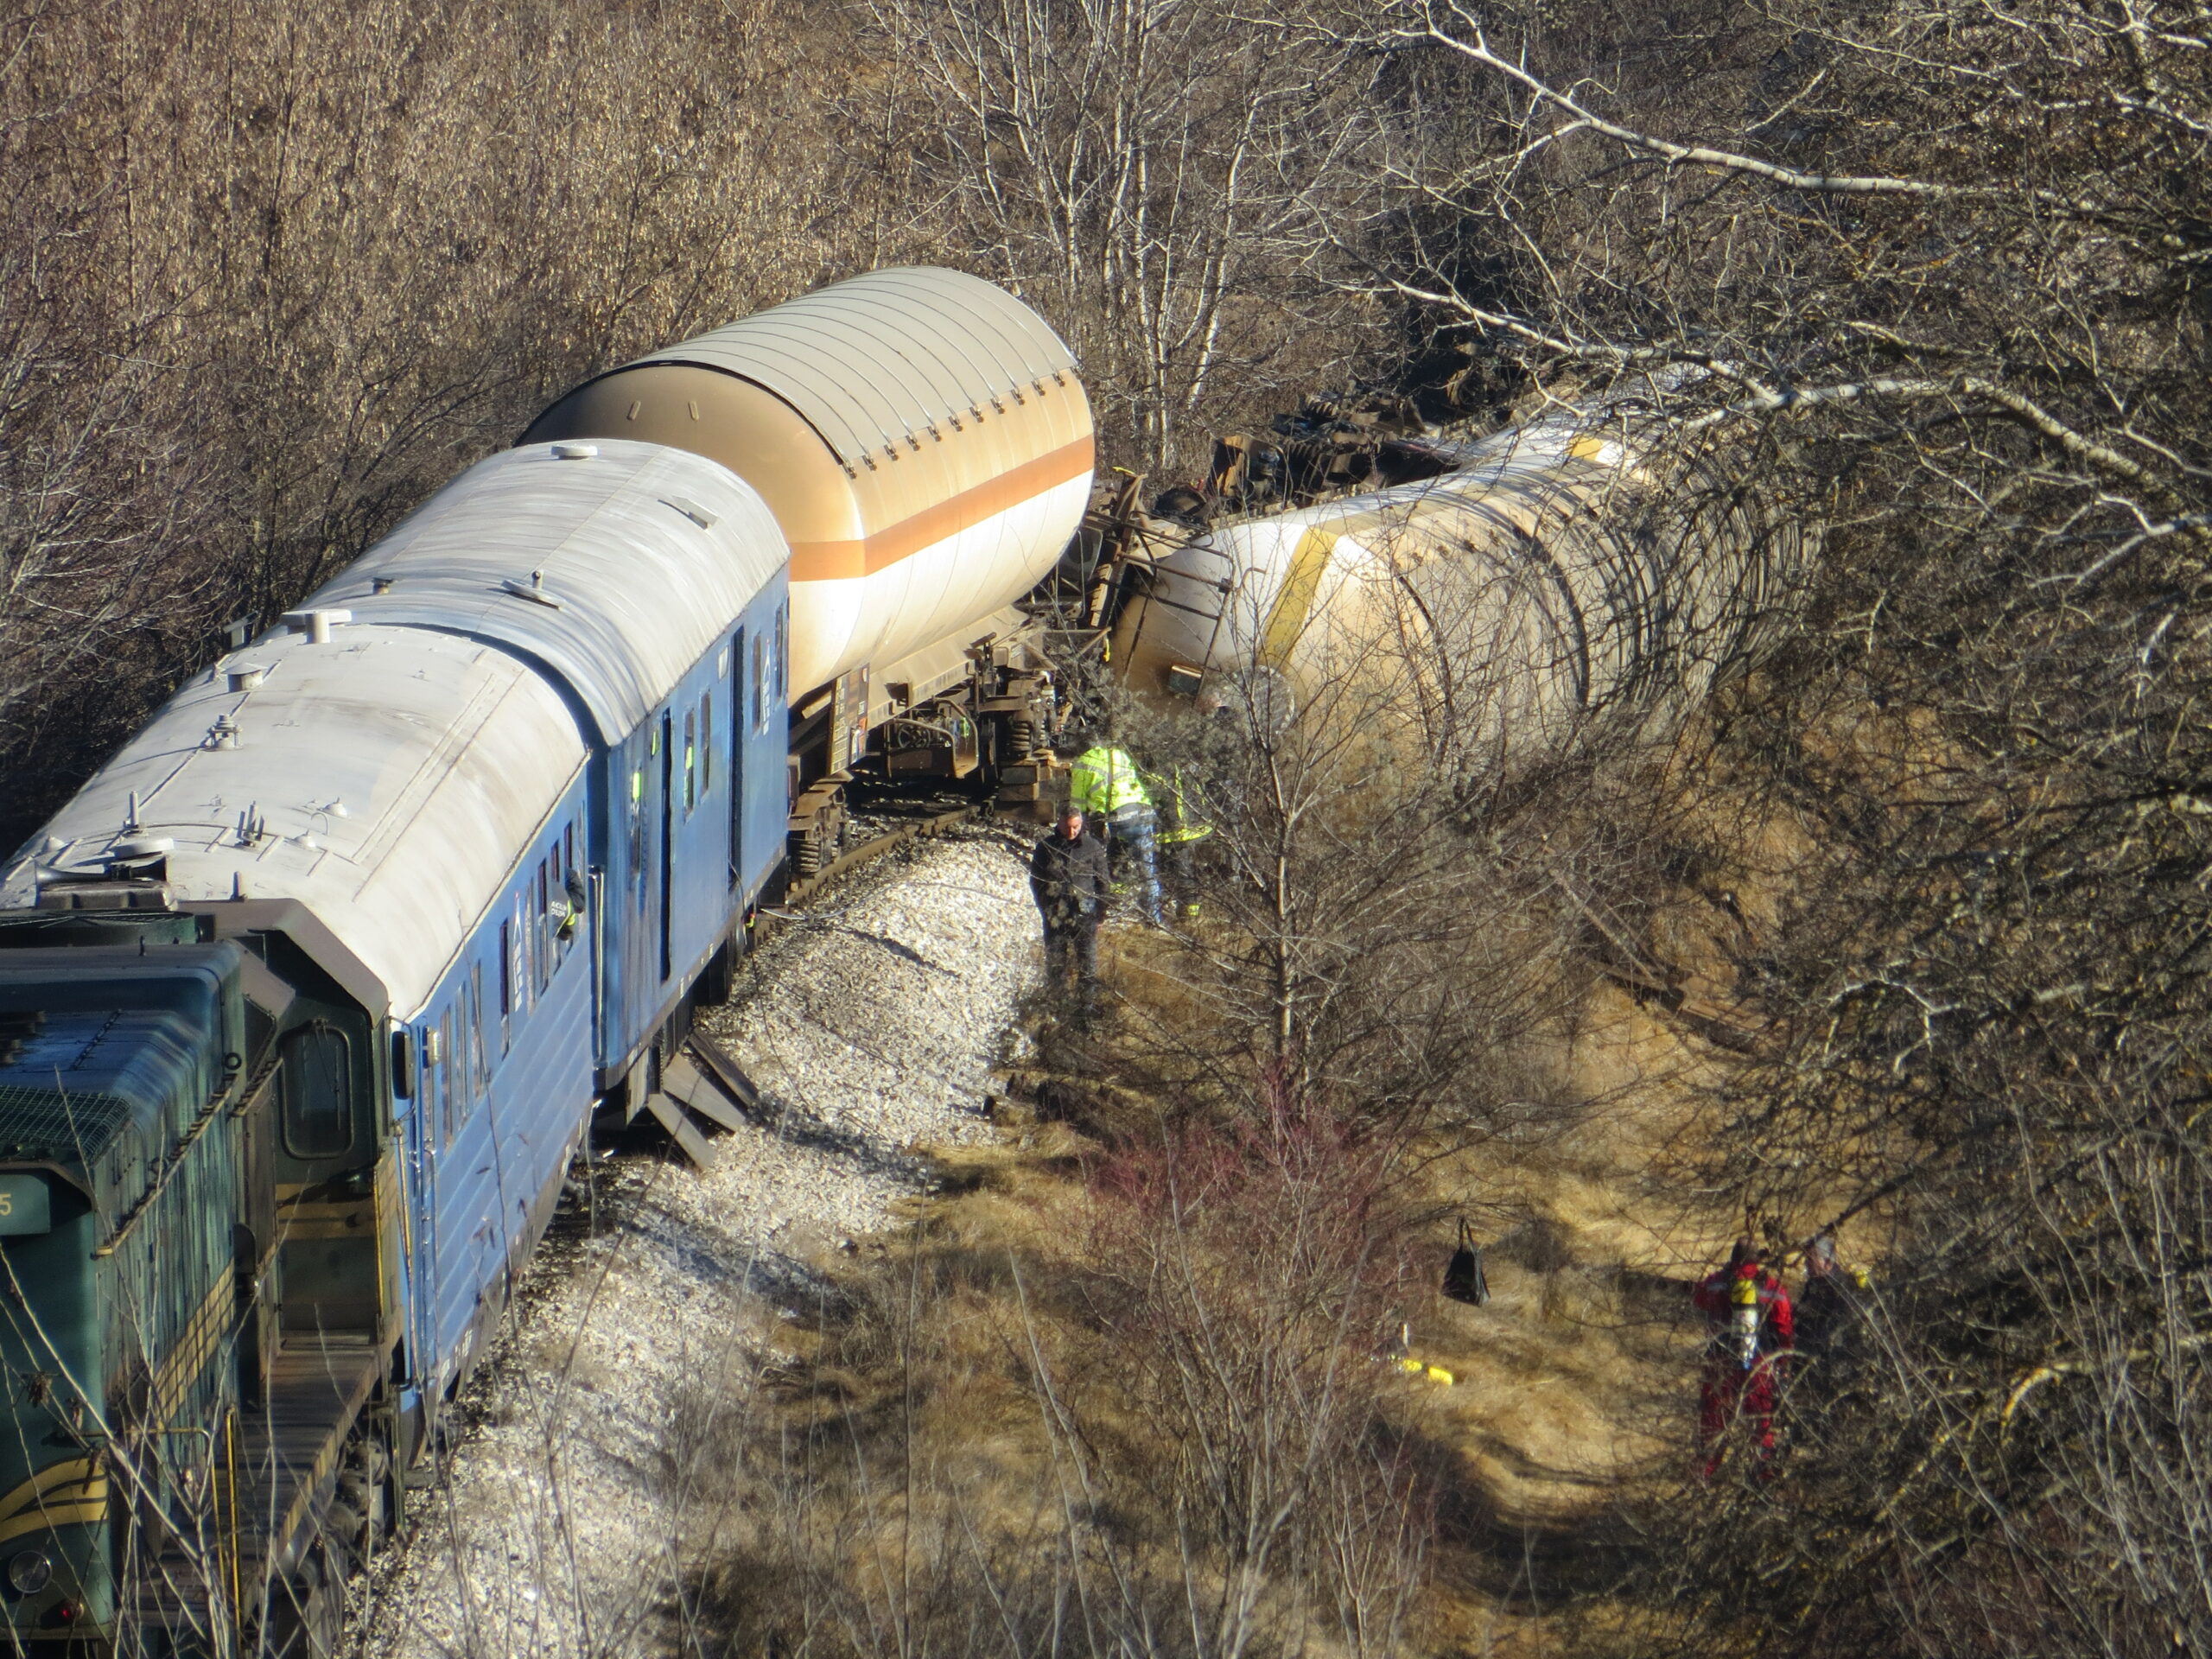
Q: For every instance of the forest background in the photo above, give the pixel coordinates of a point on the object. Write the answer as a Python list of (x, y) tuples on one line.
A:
[(1932, 275)]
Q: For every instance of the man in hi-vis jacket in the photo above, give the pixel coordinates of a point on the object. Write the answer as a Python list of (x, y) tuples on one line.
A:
[(1104, 782)]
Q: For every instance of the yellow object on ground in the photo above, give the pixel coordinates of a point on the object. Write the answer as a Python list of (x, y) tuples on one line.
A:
[(1435, 1373)]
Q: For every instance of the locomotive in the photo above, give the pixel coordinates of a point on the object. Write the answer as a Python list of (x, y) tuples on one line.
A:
[(309, 996)]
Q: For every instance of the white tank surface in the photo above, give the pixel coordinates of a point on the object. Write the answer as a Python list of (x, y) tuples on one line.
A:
[(920, 435), (1558, 571)]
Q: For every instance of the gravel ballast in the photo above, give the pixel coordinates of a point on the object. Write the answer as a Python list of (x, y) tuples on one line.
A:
[(578, 1496)]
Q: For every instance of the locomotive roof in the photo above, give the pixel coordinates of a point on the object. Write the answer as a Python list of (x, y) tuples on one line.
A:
[(114, 1038), (619, 569), (879, 359), (384, 780)]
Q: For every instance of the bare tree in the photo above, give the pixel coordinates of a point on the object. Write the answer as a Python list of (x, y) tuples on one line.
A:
[(268, 279), (1940, 268), (1147, 171)]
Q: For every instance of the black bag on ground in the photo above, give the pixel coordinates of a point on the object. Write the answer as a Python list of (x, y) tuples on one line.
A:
[(1463, 1274)]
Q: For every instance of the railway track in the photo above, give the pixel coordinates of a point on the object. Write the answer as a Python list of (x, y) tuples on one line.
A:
[(886, 832), (698, 1086)]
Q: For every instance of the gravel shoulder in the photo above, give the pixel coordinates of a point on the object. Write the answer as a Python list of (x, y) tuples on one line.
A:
[(575, 1501)]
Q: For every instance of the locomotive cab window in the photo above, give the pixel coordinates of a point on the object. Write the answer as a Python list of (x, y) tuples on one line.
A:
[(314, 1087)]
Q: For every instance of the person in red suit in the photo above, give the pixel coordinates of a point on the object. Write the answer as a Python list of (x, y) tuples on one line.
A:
[(1752, 1331)]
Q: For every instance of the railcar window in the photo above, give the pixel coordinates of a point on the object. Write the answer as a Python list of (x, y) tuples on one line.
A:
[(707, 744), (314, 1088), (464, 1075), (447, 1067), (476, 1025), (557, 946), (737, 690), (691, 762), (759, 683), (526, 950), (638, 836), (783, 650), (544, 932)]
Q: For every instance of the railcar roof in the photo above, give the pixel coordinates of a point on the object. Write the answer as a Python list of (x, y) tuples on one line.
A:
[(618, 570), (879, 359), (385, 779)]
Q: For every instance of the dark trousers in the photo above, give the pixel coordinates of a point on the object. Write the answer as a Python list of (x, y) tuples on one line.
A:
[(1071, 932)]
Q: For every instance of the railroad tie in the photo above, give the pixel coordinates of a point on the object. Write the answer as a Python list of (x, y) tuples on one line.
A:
[(702, 1094), (681, 1129)]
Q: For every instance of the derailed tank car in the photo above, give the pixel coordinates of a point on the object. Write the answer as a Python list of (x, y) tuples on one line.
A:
[(925, 442), (1560, 572), (307, 996)]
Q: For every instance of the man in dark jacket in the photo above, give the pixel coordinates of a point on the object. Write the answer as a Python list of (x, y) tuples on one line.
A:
[(1830, 1307), (1067, 876)]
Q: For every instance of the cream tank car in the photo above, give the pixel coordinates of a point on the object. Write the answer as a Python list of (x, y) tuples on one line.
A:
[(1545, 580), (923, 439)]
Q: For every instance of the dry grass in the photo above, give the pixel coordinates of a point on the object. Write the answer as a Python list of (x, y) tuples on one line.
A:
[(926, 1432)]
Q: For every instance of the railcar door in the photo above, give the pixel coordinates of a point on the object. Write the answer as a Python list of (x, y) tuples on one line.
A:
[(326, 1161)]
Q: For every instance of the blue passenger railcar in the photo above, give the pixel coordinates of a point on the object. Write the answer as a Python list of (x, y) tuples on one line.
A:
[(637, 579), (479, 816), (494, 1090), (699, 805)]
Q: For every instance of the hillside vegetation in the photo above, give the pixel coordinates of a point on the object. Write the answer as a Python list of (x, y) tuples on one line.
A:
[(1903, 934)]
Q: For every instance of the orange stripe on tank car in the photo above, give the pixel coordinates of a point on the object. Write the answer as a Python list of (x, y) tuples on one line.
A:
[(842, 561)]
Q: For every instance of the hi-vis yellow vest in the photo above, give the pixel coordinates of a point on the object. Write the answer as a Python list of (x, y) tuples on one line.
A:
[(1184, 826), (1103, 780)]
